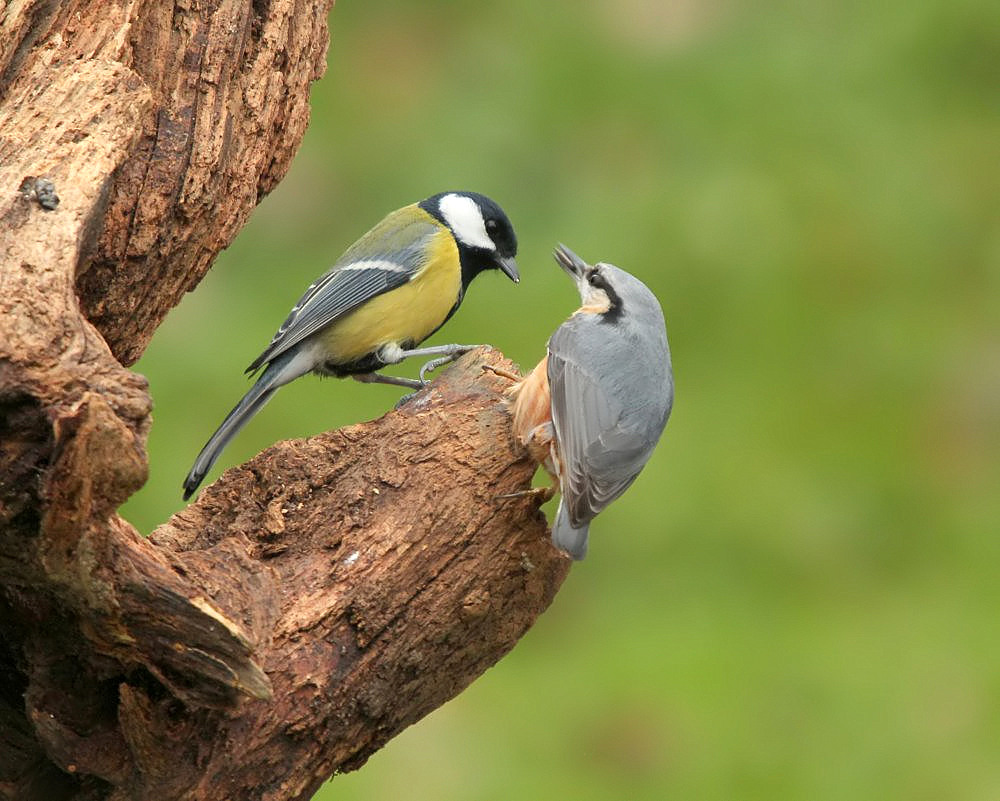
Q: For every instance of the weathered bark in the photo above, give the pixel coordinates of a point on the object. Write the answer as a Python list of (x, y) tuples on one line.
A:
[(312, 602)]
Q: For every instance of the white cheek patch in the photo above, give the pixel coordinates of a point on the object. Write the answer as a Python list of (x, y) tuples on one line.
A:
[(466, 221), (593, 300)]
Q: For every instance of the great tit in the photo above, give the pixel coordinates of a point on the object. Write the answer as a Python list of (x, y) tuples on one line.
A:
[(593, 409), (393, 288)]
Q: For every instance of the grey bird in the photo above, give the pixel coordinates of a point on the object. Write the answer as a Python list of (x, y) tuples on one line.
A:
[(593, 409)]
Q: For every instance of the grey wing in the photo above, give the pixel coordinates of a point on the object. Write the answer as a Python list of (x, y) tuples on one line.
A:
[(361, 274), (600, 452)]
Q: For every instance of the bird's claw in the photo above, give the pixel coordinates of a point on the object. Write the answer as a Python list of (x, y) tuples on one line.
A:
[(542, 494), (432, 365), (450, 356), (405, 399), (501, 372)]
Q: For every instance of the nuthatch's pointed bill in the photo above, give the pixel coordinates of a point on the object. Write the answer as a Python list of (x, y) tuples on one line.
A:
[(570, 262)]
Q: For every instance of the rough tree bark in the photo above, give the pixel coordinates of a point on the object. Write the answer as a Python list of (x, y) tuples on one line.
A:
[(314, 601)]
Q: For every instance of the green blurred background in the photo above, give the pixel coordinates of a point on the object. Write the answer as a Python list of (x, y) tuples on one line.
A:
[(798, 599)]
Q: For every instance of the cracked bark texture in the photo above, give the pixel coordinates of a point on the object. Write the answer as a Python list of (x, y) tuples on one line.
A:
[(314, 601)]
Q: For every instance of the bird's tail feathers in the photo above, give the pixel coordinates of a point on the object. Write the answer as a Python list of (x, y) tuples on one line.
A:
[(565, 536), (278, 373)]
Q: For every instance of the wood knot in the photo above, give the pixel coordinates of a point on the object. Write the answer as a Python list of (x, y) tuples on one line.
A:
[(475, 604), (274, 517)]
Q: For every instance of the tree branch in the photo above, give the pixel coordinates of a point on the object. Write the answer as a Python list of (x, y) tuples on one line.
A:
[(313, 602)]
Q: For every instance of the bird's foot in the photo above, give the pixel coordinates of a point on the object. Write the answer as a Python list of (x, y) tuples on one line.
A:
[(445, 354), (405, 400), (539, 442), (541, 494), (433, 364), (453, 350)]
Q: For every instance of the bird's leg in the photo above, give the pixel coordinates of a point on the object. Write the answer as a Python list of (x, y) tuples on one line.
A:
[(452, 351), (378, 378), (539, 446), (433, 364), (445, 353), (542, 493)]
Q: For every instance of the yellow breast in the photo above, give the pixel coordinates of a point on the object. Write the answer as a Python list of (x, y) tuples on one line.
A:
[(409, 313)]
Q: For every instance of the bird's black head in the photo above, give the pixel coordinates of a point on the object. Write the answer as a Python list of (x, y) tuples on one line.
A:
[(484, 234)]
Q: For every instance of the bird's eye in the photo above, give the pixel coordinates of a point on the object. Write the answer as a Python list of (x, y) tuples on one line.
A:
[(492, 225), (595, 279)]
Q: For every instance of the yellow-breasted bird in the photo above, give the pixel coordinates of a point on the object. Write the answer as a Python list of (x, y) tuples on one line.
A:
[(390, 290)]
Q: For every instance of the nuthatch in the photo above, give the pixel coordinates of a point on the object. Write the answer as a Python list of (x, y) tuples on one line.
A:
[(391, 290), (593, 409)]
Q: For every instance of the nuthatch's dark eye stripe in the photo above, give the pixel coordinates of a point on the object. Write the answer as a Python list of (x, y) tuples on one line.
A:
[(615, 304)]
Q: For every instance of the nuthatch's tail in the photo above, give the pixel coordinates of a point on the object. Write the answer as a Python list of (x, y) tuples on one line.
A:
[(572, 540), (278, 373)]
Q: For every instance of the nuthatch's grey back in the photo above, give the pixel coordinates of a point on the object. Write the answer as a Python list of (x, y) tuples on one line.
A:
[(611, 388)]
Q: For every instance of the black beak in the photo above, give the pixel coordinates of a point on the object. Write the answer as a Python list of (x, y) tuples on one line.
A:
[(509, 267), (570, 262)]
